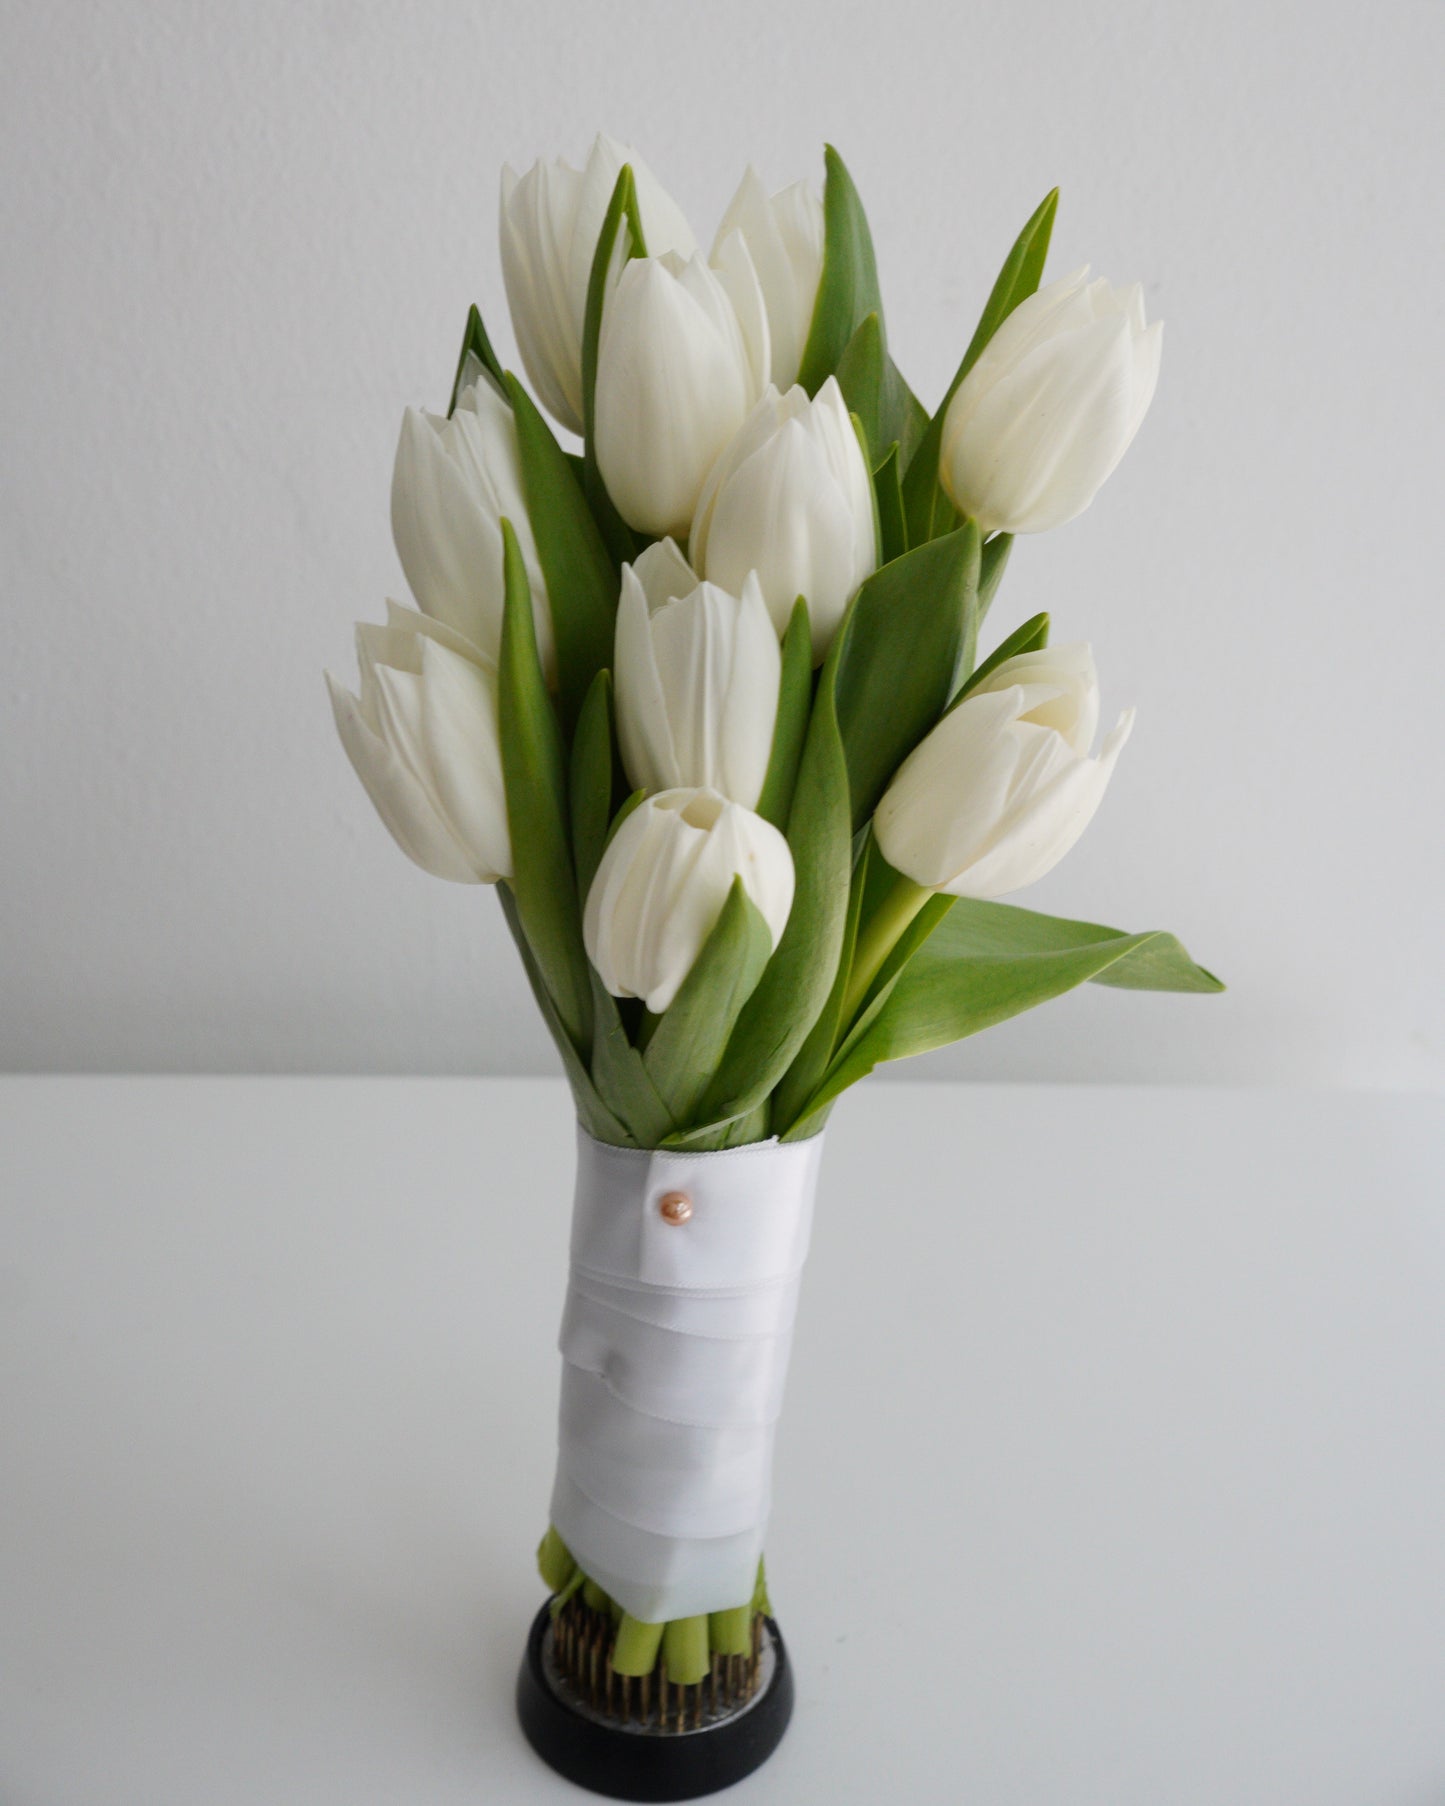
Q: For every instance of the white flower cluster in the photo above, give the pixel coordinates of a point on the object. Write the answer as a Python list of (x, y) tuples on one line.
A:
[(747, 494)]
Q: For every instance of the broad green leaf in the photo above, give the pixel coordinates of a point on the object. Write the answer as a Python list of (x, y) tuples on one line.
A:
[(985, 962), (1017, 280), (896, 917), (848, 286), (688, 1043), (795, 697), (1031, 637), (992, 564), (777, 1017), (904, 416), (581, 578), (592, 777), (977, 930), (620, 539), (592, 1113), (862, 438), (621, 1078), (475, 345), (907, 944), (888, 500), (806, 1119), (543, 881), (860, 377), (806, 1072), (897, 650), (847, 337)]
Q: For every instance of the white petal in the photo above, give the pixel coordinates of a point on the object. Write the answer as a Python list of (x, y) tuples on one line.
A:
[(1035, 448), (399, 800), (664, 573), (1067, 690), (662, 884), (673, 386), (739, 279), (449, 550), (459, 732), (537, 216), (643, 731)]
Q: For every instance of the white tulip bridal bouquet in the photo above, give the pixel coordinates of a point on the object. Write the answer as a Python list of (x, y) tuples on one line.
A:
[(706, 701)]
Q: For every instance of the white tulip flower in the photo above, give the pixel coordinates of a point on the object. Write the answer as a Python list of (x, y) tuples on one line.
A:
[(791, 499), (1051, 405), (682, 357), (1004, 785), (663, 882), (422, 737), (697, 673), (551, 218), (453, 482), (784, 236)]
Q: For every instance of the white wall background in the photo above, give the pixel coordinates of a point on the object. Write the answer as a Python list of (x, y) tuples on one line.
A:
[(238, 239)]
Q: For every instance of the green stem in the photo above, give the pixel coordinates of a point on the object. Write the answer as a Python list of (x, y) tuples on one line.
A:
[(877, 939), (731, 1633), (635, 1647), (687, 1645), (685, 1650), (554, 1561)]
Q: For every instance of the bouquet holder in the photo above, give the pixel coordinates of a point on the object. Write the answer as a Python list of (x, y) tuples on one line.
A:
[(685, 1271)]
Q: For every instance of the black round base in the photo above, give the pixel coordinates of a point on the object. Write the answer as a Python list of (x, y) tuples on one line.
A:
[(633, 1763)]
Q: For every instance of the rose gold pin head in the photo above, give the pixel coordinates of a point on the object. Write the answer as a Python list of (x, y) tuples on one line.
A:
[(675, 1207)]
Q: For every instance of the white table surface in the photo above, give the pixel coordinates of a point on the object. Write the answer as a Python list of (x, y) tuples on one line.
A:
[(1113, 1466)]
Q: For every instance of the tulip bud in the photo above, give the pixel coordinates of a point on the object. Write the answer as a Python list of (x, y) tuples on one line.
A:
[(697, 673), (682, 356), (422, 737), (551, 219), (453, 482), (1051, 405), (784, 237), (663, 882), (791, 499), (1004, 785)]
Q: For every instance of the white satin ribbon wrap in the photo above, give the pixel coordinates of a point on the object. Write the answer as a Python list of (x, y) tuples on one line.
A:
[(675, 1342)]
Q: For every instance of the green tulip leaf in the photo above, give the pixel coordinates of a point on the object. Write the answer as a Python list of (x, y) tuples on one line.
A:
[(476, 349), (1018, 279), (985, 962), (992, 564), (592, 781), (888, 499), (1033, 636), (875, 391), (904, 416), (848, 286), (907, 944), (592, 1113), (543, 881), (688, 1043), (795, 698), (775, 1020), (621, 540), (620, 1075), (897, 651), (860, 377), (806, 1072), (581, 578), (846, 336)]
